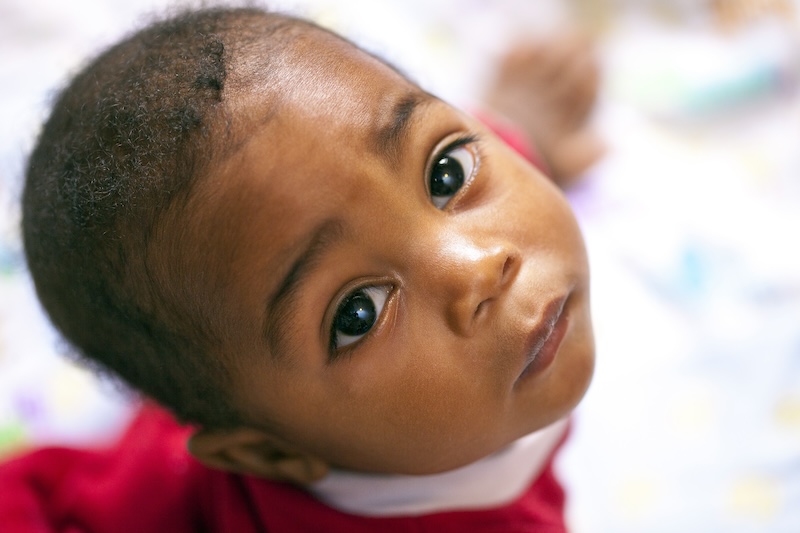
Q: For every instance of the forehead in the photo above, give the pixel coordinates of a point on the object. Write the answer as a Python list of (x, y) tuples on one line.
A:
[(310, 73), (311, 123), (323, 101)]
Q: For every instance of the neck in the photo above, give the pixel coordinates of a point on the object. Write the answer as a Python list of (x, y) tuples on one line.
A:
[(490, 482)]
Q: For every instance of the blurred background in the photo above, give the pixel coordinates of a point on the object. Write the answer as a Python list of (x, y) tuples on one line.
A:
[(692, 221)]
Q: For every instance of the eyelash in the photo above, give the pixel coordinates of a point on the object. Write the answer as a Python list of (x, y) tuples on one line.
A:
[(335, 351), (463, 140), (460, 142)]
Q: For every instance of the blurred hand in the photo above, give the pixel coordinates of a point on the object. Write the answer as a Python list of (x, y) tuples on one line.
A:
[(548, 89)]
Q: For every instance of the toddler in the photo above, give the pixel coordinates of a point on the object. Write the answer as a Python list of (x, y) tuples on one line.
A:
[(367, 312)]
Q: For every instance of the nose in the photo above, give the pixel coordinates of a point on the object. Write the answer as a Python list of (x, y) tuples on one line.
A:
[(471, 277)]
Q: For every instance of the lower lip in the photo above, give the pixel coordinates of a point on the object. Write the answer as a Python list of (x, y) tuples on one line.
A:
[(547, 353)]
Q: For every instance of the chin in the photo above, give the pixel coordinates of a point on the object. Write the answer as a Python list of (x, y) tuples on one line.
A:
[(570, 381)]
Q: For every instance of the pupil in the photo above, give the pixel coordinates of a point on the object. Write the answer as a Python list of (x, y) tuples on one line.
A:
[(356, 315), (448, 177)]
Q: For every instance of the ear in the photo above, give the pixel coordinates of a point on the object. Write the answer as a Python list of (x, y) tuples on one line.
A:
[(253, 452)]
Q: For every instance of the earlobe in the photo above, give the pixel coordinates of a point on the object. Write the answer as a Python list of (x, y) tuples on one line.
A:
[(253, 452)]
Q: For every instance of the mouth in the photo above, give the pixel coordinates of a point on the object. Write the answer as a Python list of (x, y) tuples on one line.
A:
[(543, 342)]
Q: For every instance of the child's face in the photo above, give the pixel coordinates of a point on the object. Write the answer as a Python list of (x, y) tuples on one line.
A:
[(377, 325)]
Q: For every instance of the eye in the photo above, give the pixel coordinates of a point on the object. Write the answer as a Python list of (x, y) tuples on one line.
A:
[(356, 315), (451, 169)]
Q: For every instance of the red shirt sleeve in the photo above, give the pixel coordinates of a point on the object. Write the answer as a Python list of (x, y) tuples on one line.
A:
[(148, 483), (142, 484)]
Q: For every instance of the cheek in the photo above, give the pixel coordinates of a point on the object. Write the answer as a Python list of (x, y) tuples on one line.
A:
[(423, 378), (417, 403), (544, 218)]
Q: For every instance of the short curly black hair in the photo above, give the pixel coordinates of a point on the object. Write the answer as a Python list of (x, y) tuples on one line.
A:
[(124, 147)]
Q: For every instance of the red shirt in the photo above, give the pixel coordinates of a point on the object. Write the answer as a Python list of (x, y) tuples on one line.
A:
[(148, 482)]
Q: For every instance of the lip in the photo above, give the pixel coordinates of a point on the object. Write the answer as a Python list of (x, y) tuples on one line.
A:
[(545, 339)]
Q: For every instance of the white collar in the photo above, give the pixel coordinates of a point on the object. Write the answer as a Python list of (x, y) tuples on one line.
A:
[(490, 482)]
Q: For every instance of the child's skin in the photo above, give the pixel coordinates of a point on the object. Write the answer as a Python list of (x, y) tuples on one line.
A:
[(330, 195)]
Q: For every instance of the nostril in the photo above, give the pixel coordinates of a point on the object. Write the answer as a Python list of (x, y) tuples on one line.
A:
[(508, 266), (480, 309)]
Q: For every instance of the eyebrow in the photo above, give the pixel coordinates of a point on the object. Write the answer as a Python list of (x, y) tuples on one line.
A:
[(390, 137), (389, 140), (279, 321)]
